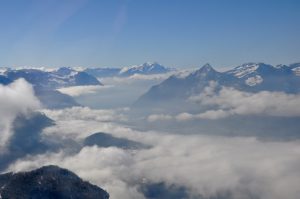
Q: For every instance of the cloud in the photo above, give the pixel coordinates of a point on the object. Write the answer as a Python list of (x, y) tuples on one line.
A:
[(159, 117), (133, 79), (79, 122), (230, 101), (15, 99), (210, 114), (205, 165), (82, 90), (86, 113)]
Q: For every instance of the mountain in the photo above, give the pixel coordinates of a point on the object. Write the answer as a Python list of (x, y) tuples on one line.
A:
[(103, 72), (295, 68), (26, 138), (53, 99), (48, 182), (259, 77), (107, 140), (45, 83), (4, 80), (250, 77), (178, 88), (62, 77), (147, 68)]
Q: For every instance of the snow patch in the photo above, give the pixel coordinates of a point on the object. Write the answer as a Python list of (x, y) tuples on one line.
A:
[(244, 70), (252, 81)]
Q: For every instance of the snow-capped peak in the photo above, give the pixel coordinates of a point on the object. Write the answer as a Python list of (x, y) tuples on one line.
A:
[(146, 68)]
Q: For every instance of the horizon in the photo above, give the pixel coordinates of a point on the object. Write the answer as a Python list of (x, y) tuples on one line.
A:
[(123, 33), (78, 68)]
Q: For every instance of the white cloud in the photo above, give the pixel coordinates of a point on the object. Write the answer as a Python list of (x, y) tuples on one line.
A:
[(86, 113), (15, 98), (205, 165), (82, 90), (159, 117), (229, 101), (79, 122), (184, 116), (136, 78), (210, 114)]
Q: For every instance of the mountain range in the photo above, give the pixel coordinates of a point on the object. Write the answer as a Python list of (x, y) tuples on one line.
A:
[(61, 77), (249, 77), (45, 83), (148, 68)]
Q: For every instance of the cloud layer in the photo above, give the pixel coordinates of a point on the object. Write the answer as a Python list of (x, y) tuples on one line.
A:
[(229, 102), (205, 165)]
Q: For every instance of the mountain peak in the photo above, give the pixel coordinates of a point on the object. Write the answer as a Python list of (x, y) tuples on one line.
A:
[(145, 68), (150, 63), (206, 72), (207, 67)]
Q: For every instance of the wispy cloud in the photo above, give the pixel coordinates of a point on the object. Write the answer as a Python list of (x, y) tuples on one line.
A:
[(15, 98), (82, 90)]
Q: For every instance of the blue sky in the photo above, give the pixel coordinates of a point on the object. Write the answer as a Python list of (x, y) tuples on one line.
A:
[(179, 33)]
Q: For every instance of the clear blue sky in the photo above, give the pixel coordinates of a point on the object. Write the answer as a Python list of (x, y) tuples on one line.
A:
[(180, 33)]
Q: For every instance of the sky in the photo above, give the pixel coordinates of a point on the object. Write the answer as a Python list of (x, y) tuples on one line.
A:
[(175, 33)]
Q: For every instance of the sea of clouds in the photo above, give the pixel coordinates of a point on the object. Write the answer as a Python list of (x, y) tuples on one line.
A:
[(206, 166)]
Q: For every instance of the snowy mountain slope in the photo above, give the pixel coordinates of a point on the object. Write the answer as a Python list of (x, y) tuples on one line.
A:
[(46, 83), (147, 68), (61, 77)]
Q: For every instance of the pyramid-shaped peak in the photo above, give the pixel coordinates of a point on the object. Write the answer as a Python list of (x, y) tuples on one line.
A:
[(205, 71), (206, 68)]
